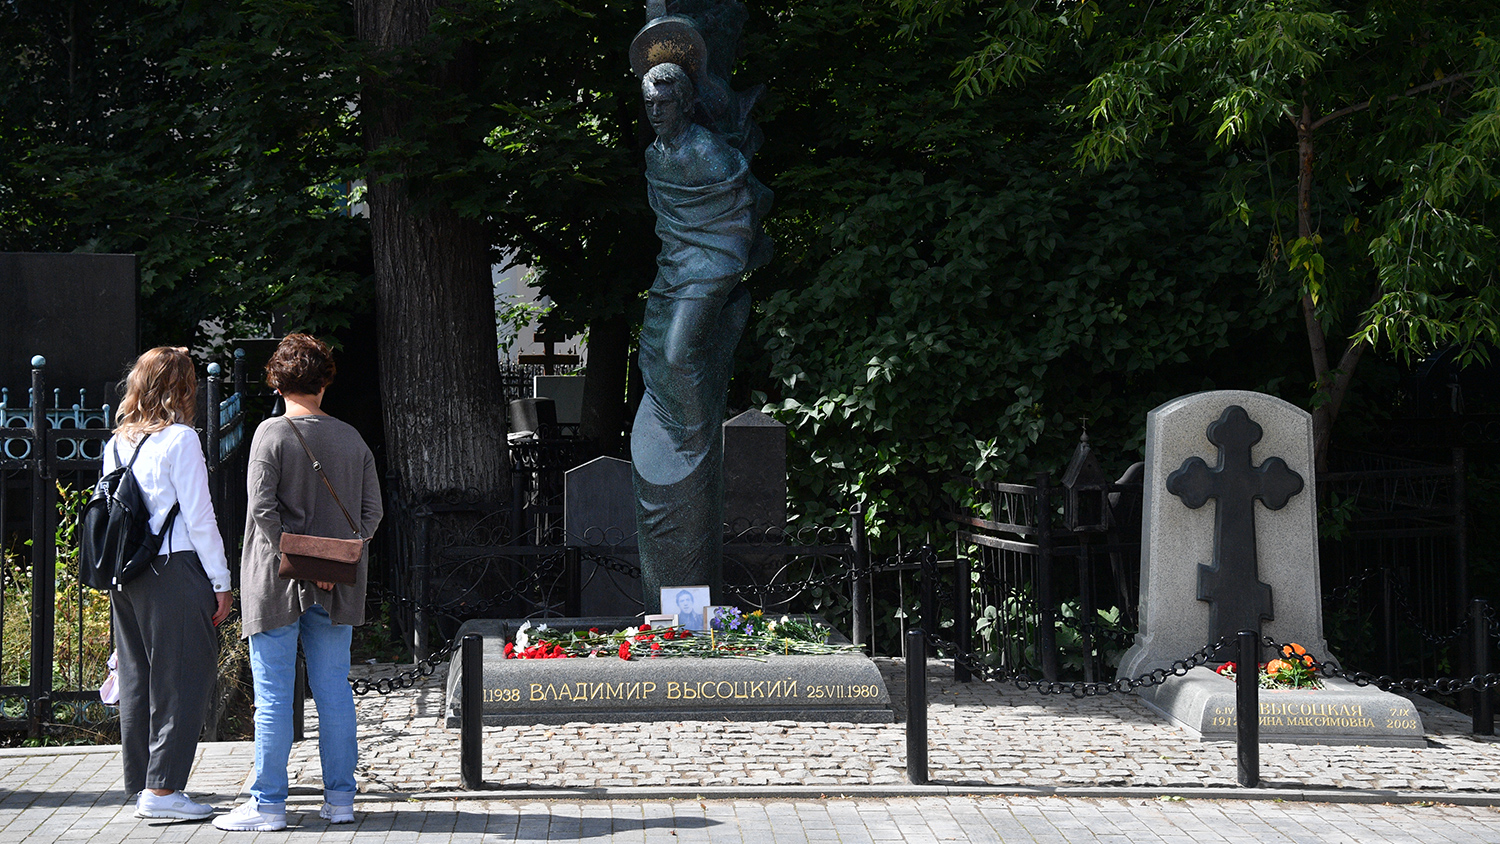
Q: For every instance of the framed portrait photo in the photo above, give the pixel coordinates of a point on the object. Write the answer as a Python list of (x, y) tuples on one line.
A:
[(688, 603)]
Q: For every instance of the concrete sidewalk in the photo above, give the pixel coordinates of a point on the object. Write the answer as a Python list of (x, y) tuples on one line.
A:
[(1005, 766), (75, 795)]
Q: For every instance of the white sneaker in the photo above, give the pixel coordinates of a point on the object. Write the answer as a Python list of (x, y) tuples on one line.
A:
[(336, 814), (174, 805), (248, 817)]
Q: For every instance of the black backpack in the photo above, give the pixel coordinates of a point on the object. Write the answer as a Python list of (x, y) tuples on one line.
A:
[(116, 540)]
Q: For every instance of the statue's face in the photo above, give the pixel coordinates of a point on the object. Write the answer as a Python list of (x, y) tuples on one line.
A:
[(666, 114)]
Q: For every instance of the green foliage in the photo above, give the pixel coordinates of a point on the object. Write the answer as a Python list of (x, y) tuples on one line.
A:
[(951, 300), (81, 643), (215, 141)]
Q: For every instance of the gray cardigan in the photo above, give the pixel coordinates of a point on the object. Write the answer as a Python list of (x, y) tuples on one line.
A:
[(286, 494)]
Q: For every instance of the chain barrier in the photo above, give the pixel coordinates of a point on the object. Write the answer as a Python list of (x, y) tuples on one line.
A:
[(1387, 683), (1434, 639), (1155, 677), (1490, 622), (1342, 593), (406, 679)]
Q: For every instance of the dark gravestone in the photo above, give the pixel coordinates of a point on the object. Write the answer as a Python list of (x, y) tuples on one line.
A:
[(76, 310), (754, 472), (599, 515)]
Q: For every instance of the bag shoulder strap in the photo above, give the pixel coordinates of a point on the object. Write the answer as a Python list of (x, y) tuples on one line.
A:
[(166, 526), (318, 467)]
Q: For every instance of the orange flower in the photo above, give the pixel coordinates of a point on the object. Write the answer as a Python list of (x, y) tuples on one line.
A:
[(1295, 651), (1274, 667)]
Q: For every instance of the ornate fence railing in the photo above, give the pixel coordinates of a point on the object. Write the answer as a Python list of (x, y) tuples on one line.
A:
[(51, 663)]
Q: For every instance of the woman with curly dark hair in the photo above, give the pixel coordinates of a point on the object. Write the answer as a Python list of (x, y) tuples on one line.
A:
[(288, 495)]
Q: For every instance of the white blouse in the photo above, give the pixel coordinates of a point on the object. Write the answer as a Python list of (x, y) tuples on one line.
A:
[(171, 469)]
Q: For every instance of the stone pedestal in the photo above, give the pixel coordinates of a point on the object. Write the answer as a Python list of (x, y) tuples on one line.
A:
[(1203, 703), (843, 687)]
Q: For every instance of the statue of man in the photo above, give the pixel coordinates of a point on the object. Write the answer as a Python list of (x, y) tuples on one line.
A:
[(708, 215)]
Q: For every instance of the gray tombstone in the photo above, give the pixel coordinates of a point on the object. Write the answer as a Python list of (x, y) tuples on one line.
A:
[(76, 310), (754, 472), (599, 513), (1229, 541), (1177, 540)]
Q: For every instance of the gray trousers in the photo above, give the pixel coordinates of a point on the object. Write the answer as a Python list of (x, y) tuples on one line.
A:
[(169, 657)]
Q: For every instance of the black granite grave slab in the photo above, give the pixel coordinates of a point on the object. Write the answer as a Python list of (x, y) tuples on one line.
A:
[(76, 310), (841, 687)]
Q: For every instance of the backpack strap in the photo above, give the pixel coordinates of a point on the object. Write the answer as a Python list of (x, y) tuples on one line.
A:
[(318, 467), (166, 526)]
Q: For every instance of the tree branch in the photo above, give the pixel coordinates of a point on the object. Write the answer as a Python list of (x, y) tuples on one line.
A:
[(1347, 110)]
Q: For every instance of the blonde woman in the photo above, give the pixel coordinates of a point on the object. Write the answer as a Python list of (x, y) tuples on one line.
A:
[(164, 619)]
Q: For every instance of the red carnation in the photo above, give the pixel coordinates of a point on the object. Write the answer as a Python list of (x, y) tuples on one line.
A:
[(624, 650), (510, 650), (645, 627)]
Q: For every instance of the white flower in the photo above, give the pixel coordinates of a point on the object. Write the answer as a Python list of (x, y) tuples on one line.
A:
[(523, 638)]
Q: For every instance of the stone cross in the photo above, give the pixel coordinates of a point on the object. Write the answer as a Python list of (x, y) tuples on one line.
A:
[(1231, 583), (1179, 602)]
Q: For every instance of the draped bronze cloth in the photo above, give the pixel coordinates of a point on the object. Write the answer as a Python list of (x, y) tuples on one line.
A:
[(696, 310)]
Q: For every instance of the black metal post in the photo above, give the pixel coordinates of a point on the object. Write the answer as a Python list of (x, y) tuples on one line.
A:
[(239, 373), (299, 699), (573, 578), (212, 421), (932, 610), (1047, 608), (1247, 708), (471, 735), (916, 707), (1461, 527), (43, 553), (421, 647), (1388, 611), (963, 594), (1484, 699), (859, 579), (1089, 616)]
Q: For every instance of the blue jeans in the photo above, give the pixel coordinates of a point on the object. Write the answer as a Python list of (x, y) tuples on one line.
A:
[(273, 663)]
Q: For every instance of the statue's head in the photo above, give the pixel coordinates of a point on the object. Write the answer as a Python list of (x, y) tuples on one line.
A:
[(669, 98)]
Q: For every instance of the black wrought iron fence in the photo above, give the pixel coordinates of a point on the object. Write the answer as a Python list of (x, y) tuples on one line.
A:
[(54, 633)]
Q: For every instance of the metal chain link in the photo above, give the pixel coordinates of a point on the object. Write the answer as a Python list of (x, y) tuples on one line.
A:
[(1342, 593), (1434, 639), (1386, 683), (406, 679), (1155, 677)]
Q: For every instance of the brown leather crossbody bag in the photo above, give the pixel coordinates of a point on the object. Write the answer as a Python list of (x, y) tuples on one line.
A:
[(321, 558)]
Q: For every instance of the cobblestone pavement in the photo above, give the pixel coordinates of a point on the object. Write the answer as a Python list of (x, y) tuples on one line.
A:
[(979, 734)]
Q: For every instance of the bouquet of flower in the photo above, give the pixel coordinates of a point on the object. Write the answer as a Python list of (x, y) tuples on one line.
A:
[(731, 633), (1293, 670)]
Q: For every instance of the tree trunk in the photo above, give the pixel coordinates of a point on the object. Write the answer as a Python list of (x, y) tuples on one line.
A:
[(1330, 385), (439, 373)]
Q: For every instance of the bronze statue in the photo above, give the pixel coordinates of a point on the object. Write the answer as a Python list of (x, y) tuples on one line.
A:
[(708, 215)]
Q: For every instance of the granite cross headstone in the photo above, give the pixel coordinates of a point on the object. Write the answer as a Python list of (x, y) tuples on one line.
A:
[(1238, 599), (1209, 571)]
